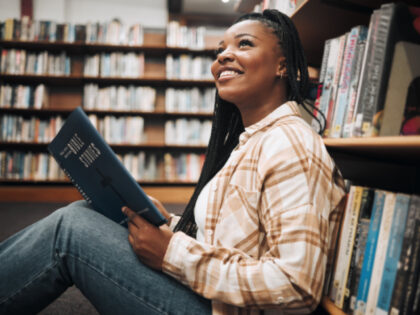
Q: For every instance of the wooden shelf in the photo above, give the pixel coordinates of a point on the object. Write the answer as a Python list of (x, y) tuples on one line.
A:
[(330, 307), (398, 149), (123, 146), (30, 193), (100, 112), (77, 80), (86, 48)]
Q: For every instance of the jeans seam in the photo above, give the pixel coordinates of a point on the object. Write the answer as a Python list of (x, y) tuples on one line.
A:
[(50, 267), (116, 283)]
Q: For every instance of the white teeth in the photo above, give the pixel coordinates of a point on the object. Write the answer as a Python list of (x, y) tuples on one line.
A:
[(227, 73)]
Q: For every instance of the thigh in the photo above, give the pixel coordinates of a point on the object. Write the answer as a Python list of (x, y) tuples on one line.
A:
[(95, 253)]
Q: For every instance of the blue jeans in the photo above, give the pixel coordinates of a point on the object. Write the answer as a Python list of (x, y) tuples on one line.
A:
[(75, 245)]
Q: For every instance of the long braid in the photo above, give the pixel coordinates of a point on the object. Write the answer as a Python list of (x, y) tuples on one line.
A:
[(227, 122)]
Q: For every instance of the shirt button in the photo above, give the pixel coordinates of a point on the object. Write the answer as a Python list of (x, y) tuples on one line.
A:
[(209, 232)]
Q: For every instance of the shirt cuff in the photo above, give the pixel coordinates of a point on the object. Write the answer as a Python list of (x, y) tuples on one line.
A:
[(176, 255), (173, 220)]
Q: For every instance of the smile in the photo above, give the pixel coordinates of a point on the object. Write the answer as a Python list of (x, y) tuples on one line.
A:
[(228, 74)]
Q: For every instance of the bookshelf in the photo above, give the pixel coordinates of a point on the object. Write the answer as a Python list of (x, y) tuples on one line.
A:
[(389, 163), (66, 92)]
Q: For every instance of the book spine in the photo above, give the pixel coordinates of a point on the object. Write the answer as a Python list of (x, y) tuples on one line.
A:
[(413, 273), (405, 257), (344, 82), (393, 253), (379, 261), (347, 244), (378, 60), (335, 82), (364, 75), (369, 255), (359, 246)]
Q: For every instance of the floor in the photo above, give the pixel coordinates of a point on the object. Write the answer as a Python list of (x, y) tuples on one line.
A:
[(17, 215)]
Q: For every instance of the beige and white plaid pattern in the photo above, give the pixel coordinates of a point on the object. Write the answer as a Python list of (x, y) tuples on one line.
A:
[(271, 223)]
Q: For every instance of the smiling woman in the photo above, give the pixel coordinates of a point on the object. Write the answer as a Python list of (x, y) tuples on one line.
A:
[(258, 232)]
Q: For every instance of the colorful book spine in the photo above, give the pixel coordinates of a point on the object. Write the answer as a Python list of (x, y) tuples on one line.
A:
[(405, 257), (335, 82), (393, 253), (369, 255), (364, 75), (346, 244), (380, 254), (356, 34)]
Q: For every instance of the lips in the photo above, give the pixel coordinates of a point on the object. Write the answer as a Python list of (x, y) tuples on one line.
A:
[(228, 73)]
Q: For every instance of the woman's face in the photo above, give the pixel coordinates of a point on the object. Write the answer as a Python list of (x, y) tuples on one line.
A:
[(248, 63)]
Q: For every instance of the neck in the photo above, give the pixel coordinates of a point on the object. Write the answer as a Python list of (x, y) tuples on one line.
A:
[(254, 109)]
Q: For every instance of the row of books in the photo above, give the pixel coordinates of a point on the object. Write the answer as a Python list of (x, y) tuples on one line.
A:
[(114, 64), (378, 254), (184, 131), (23, 96), (115, 130), (120, 130), (191, 100), (14, 128), (183, 36), (19, 165), (355, 71), (112, 32), (186, 67), (136, 98), (19, 61)]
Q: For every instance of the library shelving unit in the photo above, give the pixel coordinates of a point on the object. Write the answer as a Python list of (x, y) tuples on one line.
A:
[(390, 163), (66, 93)]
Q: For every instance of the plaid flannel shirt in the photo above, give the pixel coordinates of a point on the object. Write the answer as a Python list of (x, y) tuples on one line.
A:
[(271, 222)]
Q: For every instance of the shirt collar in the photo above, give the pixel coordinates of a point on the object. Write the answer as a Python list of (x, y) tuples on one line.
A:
[(287, 109)]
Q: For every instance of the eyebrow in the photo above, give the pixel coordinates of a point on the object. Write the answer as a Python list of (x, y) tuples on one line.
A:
[(240, 35)]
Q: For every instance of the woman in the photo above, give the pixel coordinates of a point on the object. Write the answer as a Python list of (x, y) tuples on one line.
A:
[(257, 233)]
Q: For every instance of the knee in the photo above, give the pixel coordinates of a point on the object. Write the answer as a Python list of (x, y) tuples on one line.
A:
[(72, 215)]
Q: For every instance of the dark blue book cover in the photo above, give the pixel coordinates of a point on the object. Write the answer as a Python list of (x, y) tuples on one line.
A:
[(97, 172)]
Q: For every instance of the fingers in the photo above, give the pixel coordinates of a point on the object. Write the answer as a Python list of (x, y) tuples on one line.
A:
[(133, 217)]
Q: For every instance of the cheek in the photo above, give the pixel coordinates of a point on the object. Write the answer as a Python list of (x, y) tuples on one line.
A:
[(214, 67)]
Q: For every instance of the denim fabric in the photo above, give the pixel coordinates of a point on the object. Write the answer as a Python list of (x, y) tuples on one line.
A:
[(76, 245)]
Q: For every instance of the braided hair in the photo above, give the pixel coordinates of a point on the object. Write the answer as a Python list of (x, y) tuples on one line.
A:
[(227, 123)]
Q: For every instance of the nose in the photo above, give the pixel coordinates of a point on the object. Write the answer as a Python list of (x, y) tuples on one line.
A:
[(225, 55)]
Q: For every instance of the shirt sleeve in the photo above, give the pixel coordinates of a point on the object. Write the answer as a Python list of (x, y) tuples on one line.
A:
[(293, 218)]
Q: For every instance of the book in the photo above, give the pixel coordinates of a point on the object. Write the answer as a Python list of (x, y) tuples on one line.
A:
[(379, 260), (413, 273), (338, 65), (356, 34), (97, 172), (356, 125), (395, 23), (405, 257), (346, 244), (393, 253), (362, 229), (402, 106), (370, 250)]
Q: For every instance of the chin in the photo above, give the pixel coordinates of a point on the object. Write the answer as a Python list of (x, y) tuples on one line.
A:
[(229, 96)]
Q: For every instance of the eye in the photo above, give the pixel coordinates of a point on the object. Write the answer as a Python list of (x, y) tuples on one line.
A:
[(246, 42), (218, 51)]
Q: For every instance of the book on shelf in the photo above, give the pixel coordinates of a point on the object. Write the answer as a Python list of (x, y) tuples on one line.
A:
[(403, 266), (362, 229), (345, 245), (393, 253), (98, 173), (370, 250), (380, 253), (349, 70)]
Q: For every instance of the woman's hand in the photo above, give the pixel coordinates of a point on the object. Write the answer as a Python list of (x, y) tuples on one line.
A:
[(148, 241), (161, 208)]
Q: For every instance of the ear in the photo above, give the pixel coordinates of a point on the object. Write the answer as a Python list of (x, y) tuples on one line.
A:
[(281, 67)]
